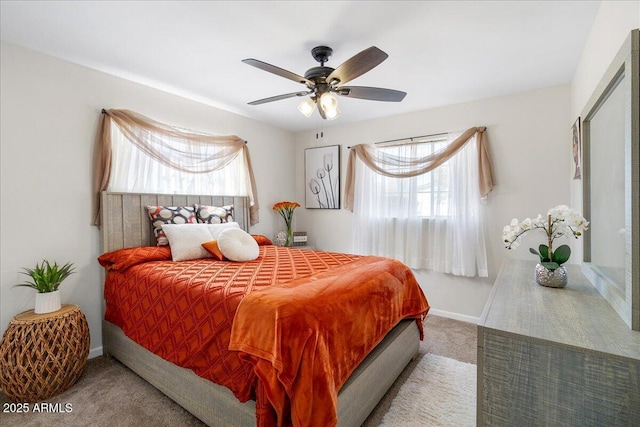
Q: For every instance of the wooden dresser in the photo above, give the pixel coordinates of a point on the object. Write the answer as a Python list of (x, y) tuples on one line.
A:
[(554, 357)]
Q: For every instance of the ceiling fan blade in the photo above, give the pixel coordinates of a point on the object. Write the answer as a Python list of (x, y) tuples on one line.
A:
[(279, 97), (278, 71), (357, 65), (372, 93)]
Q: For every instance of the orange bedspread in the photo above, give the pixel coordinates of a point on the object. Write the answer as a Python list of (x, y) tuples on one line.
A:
[(184, 312), (305, 337)]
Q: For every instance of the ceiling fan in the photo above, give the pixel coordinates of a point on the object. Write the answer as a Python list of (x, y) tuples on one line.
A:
[(322, 82)]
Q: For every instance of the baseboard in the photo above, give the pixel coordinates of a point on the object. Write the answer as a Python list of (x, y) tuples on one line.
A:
[(95, 352), (455, 316)]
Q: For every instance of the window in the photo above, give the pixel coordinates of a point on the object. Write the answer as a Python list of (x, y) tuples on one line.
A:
[(136, 154), (430, 221), (431, 188), (135, 171)]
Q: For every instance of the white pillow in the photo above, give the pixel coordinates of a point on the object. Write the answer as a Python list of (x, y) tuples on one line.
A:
[(238, 245), (216, 229), (186, 240)]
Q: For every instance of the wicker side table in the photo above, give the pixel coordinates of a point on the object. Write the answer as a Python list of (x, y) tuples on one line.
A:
[(42, 355)]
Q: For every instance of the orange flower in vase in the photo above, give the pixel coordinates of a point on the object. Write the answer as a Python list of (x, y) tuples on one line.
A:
[(285, 209)]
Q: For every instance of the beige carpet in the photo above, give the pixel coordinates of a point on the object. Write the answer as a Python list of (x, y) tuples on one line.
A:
[(109, 395), (443, 337), (439, 392)]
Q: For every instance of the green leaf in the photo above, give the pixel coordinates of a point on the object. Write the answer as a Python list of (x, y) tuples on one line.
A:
[(561, 254), (46, 277), (28, 285), (550, 265), (544, 253)]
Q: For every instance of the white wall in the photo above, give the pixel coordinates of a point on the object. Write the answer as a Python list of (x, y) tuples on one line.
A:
[(614, 21), (610, 29), (530, 142), (49, 114)]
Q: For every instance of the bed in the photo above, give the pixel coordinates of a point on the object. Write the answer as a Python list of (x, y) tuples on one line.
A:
[(125, 224)]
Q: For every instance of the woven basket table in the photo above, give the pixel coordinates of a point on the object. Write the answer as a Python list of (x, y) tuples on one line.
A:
[(42, 355)]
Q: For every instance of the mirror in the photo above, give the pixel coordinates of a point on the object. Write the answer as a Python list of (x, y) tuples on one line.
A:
[(611, 150)]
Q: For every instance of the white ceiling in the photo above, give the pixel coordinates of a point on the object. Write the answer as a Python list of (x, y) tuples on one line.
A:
[(440, 52)]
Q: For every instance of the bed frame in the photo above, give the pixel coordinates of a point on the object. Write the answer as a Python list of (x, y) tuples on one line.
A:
[(125, 224)]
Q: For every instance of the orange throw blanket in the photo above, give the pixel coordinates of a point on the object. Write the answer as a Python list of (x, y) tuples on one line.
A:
[(305, 337)]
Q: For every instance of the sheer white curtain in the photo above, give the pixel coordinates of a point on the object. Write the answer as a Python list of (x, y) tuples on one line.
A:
[(431, 221), (132, 170), (155, 157)]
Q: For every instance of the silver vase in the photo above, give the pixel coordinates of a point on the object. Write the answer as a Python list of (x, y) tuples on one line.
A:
[(551, 278)]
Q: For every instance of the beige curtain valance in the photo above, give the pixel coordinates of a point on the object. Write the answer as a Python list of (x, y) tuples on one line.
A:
[(151, 138), (404, 167)]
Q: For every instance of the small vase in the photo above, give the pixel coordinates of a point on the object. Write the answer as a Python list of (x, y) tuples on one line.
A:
[(47, 302), (289, 241), (551, 278)]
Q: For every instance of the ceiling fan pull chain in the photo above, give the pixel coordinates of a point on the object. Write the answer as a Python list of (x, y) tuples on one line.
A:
[(318, 126)]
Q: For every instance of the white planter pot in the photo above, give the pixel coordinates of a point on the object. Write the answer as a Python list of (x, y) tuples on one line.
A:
[(47, 302)]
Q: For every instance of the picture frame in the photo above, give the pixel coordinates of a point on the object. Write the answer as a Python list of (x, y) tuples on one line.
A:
[(322, 177), (577, 149), (300, 238)]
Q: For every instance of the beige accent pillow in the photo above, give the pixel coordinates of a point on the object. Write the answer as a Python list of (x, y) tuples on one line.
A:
[(238, 245), (216, 229), (185, 240)]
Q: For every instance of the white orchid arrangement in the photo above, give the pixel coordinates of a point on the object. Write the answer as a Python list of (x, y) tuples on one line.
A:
[(560, 221)]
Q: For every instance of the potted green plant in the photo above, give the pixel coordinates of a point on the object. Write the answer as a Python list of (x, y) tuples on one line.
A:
[(46, 279), (560, 221)]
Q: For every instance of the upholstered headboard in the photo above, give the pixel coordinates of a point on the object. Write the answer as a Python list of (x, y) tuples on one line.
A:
[(125, 221)]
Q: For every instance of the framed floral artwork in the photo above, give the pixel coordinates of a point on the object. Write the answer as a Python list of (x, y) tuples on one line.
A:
[(322, 177)]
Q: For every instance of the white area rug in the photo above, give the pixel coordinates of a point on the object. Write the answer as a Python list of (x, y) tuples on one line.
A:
[(440, 392)]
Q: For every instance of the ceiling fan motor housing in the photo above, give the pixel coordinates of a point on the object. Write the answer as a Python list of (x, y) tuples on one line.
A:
[(321, 54), (318, 74)]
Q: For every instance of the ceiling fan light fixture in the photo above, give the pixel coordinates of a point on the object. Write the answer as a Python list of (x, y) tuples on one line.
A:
[(307, 107), (328, 102), (329, 105), (332, 113)]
